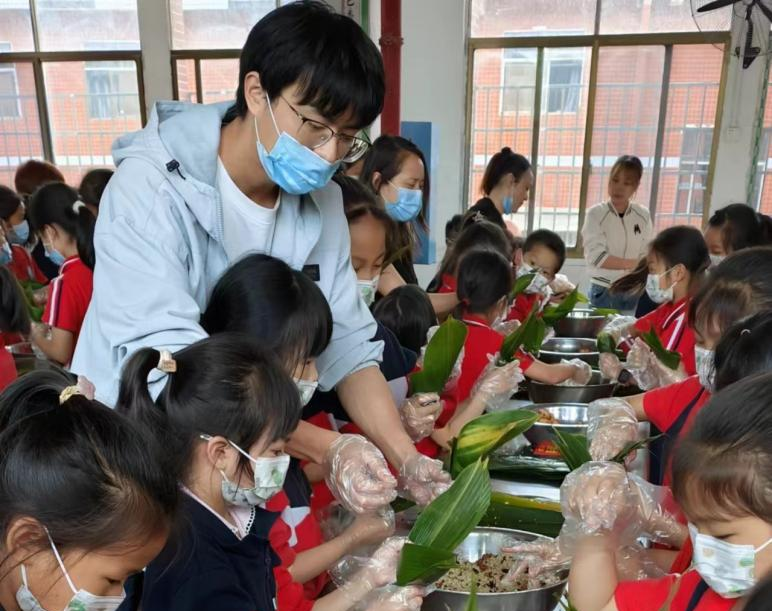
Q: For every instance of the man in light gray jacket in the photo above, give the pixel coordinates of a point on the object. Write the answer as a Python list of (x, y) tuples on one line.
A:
[(200, 186)]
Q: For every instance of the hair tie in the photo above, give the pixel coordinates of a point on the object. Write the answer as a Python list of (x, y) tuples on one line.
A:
[(166, 362), (745, 332), (83, 388), (77, 205)]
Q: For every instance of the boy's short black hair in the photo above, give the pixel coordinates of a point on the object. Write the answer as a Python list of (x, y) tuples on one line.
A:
[(407, 312), (548, 239), (336, 66)]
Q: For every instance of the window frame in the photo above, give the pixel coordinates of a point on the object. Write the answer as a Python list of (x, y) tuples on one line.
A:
[(15, 76)]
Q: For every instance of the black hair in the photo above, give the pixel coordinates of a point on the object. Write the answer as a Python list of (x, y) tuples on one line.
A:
[(679, 245), (484, 277), (93, 185), (745, 349), (502, 163), (57, 203), (548, 239), (9, 202), (264, 298), (741, 227), (480, 235), (386, 156), (85, 472), (453, 228), (14, 317), (408, 313), (360, 201), (723, 467), (627, 163), (336, 66), (226, 385), (739, 286), (760, 598)]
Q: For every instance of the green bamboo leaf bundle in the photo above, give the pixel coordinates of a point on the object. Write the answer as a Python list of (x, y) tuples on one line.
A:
[(572, 448), (668, 358), (524, 513), (520, 285), (444, 525), (555, 313), (528, 336), (440, 357), (606, 343), (486, 433), (471, 604)]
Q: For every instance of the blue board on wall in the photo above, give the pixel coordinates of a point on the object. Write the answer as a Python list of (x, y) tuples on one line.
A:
[(424, 135)]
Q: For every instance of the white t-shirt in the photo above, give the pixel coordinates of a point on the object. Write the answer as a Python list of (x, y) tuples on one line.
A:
[(248, 226)]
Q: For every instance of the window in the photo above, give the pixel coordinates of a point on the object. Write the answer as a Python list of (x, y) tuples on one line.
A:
[(565, 77), (693, 169), (215, 24), (535, 17), (9, 87), (111, 86), (519, 76)]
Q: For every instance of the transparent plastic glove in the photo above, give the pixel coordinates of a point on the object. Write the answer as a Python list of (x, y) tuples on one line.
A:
[(635, 564), (641, 363), (610, 366), (658, 524), (548, 335), (561, 285), (665, 375), (612, 425), (535, 558), (395, 598), (357, 474), (597, 499), (619, 327), (419, 413), (506, 327), (353, 574), (582, 373), (422, 479), (497, 383), (371, 528)]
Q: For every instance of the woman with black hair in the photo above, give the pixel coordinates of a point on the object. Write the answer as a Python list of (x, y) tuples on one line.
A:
[(202, 185), (66, 228)]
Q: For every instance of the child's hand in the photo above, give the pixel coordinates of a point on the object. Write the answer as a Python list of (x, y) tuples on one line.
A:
[(497, 384), (582, 372), (40, 297), (507, 327), (610, 366), (419, 413), (619, 327), (612, 425), (535, 557), (382, 567), (396, 598), (371, 528), (422, 479)]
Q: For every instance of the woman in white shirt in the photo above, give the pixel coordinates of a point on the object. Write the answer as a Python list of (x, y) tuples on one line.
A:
[(616, 234)]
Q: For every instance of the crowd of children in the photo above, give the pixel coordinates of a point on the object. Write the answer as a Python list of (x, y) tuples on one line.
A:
[(252, 334)]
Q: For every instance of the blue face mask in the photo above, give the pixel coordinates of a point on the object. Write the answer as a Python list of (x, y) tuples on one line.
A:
[(20, 233), (54, 256), (292, 166), (408, 205), (508, 205), (5, 254)]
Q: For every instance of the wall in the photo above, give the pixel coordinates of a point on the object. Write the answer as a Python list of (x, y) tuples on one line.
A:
[(433, 89)]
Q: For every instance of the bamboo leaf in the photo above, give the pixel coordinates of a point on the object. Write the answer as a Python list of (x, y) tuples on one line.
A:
[(520, 285), (421, 564), (632, 447), (668, 358), (527, 468), (440, 357), (524, 513), (447, 521), (572, 448), (471, 604), (484, 434), (604, 311), (554, 313), (529, 335), (582, 298), (606, 343)]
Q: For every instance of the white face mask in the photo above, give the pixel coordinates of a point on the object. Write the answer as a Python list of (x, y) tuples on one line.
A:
[(727, 568), (368, 289), (306, 389), (269, 479), (705, 367), (716, 259), (81, 600), (539, 282), (658, 295)]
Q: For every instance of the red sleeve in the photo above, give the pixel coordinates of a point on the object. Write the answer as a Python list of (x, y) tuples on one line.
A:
[(526, 360), (65, 308), (652, 319), (686, 349), (290, 595), (479, 344), (646, 595), (7, 368), (522, 307), (664, 405)]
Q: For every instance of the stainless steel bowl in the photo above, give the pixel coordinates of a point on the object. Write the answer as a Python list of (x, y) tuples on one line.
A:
[(490, 541), (571, 418), (558, 348), (598, 388), (25, 358), (580, 323)]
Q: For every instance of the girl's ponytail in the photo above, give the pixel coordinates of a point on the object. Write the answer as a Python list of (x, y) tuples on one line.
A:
[(632, 283), (84, 233)]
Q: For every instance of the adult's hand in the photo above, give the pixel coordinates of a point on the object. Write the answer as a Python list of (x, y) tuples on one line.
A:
[(422, 479)]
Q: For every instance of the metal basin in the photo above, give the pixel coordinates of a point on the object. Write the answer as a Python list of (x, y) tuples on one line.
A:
[(571, 418), (558, 348), (598, 388), (490, 541), (580, 323), (25, 358)]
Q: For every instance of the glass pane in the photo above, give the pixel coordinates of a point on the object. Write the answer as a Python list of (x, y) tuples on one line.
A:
[(215, 24), (90, 104), (73, 25), (691, 113), (491, 18), (186, 80), (627, 16), (762, 183), (565, 81), (15, 26), (19, 123), (219, 79), (502, 111), (626, 115)]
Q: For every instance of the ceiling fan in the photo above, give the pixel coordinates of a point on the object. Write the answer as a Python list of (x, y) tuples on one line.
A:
[(756, 35)]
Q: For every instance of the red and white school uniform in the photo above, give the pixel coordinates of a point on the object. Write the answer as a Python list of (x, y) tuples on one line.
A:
[(7, 367), (687, 593), (68, 297), (23, 266), (523, 305), (670, 322), (448, 285)]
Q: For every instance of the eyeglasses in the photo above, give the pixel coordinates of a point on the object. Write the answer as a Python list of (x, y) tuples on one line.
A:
[(314, 134)]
